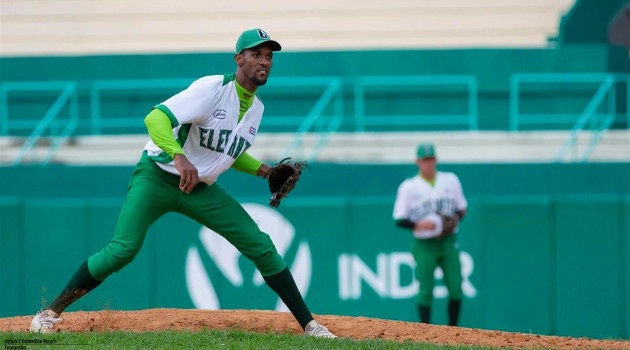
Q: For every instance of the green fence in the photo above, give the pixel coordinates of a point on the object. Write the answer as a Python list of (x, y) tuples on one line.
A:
[(545, 247), (332, 179), (463, 89), (309, 104), (537, 101), (540, 264)]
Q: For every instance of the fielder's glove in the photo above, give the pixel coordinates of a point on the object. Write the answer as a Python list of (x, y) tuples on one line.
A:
[(449, 223), (282, 178)]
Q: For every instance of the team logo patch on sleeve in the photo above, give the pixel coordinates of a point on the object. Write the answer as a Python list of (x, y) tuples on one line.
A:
[(252, 130)]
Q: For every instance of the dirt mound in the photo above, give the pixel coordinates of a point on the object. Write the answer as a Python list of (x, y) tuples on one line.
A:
[(344, 326)]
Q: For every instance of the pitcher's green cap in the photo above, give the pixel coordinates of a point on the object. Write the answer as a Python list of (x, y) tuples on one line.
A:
[(254, 37), (426, 150)]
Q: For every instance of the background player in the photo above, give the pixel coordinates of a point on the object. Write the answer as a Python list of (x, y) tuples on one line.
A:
[(196, 135), (418, 201)]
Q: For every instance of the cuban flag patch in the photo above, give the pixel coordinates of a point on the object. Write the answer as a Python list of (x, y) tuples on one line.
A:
[(252, 130)]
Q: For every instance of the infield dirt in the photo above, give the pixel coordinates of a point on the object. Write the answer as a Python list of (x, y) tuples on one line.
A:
[(358, 328)]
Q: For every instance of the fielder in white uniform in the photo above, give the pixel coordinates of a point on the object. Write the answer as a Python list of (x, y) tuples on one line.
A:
[(418, 201), (195, 136)]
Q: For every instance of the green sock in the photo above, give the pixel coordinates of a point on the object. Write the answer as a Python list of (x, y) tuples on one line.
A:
[(79, 285), (454, 307), (425, 313), (284, 285)]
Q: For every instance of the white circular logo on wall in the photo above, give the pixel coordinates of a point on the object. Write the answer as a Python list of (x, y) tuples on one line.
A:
[(225, 257)]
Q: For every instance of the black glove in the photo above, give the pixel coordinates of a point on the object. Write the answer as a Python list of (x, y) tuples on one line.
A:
[(282, 178)]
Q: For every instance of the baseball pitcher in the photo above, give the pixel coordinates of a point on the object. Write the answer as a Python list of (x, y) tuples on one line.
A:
[(195, 136)]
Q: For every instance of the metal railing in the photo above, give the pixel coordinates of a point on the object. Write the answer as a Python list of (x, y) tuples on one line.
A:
[(332, 94), (98, 123), (468, 119), (327, 114), (38, 127), (604, 97), (324, 117)]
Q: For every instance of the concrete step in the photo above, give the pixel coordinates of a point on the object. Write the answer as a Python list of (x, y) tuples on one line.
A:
[(452, 147)]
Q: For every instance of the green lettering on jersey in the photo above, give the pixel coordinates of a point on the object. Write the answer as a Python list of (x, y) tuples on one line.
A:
[(234, 151), (445, 205), (203, 140), (233, 147), (240, 149), (206, 141), (224, 135)]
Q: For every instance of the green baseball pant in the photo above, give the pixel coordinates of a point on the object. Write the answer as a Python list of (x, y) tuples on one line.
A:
[(431, 253), (153, 192)]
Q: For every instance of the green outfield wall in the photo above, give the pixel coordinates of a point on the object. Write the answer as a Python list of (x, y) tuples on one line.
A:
[(552, 261), (332, 179)]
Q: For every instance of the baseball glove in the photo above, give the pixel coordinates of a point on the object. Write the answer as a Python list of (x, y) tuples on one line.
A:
[(449, 223), (282, 178)]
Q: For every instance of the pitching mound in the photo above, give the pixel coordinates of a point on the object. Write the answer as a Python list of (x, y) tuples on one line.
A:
[(343, 326)]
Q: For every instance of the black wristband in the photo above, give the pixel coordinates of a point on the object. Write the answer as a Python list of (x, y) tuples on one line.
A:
[(406, 223)]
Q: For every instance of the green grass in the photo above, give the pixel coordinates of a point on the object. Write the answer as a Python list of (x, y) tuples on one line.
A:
[(207, 339)]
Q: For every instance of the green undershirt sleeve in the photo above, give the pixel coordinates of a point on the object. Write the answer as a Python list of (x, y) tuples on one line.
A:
[(247, 164), (161, 132)]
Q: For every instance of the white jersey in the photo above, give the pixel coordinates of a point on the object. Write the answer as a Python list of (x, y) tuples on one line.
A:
[(208, 130), (417, 200)]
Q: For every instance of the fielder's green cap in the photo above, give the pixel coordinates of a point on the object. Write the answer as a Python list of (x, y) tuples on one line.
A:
[(254, 37), (426, 150)]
